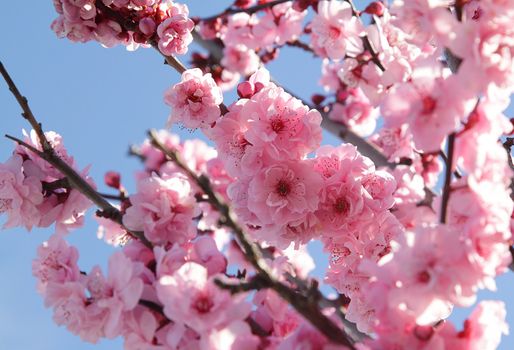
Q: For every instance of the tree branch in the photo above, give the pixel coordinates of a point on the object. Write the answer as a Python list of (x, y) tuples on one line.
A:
[(250, 10), (75, 180), (305, 305), (448, 178)]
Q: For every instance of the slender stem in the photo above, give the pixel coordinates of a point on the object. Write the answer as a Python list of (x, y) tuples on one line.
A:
[(26, 111), (74, 179), (365, 40), (448, 178), (249, 10), (305, 305)]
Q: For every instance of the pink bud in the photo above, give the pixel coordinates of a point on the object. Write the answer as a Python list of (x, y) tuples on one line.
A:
[(375, 8), (317, 99), (113, 179), (258, 86), (245, 89)]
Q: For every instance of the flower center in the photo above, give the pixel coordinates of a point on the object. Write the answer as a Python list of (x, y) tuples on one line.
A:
[(333, 32), (428, 105), (277, 125), (5, 204), (283, 188), (341, 206), (423, 277), (203, 304), (195, 98)]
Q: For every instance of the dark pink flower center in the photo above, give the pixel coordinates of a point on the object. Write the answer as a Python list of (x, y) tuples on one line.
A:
[(424, 277), (333, 32), (428, 105), (341, 206), (203, 304), (277, 125), (283, 188), (194, 98), (5, 204)]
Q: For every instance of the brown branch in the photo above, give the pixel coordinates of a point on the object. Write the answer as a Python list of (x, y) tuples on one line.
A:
[(365, 40), (305, 305), (301, 45), (250, 10), (74, 179), (448, 178)]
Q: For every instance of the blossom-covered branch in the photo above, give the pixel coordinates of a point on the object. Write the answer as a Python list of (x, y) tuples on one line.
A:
[(48, 154), (306, 306)]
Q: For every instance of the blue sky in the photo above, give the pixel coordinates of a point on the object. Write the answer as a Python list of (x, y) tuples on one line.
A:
[(101, 101)]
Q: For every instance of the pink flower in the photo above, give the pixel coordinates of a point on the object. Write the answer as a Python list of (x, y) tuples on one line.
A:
[(239, 31), (422, 20), (278, 25), (335, 30), (281, 124), (175, 32), (204, 306), (140, 327), (116, 295), (56, 263), (164, 209), (356, 112), (484, 328), (284, 192), (229, 136), (195, 100), (237, 335), (207, 254), (395, 143), (431, 105), (20, 195), (240, 59)]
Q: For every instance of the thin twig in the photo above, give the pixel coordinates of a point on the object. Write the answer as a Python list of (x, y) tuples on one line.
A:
[(365, 40), (250, 10), (75, 180), (305, 305), (447, 179)]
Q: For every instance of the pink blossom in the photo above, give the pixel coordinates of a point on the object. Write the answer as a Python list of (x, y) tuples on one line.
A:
[(164, 209), (484, 328), (140, 327), (240, 59), (19, 195), (284, 192), (207, 254), (195, 100), (239, 31), (422, 20), (282, 23), (237, 335), (56, 263), (175, 31), (329, 75), (356, 112), (119, 293), (281, 124), (205, 306), (429, 105), (335, 31)]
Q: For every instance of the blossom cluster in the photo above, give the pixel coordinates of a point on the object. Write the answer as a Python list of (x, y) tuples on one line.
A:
[(127, 22), (35, 194)]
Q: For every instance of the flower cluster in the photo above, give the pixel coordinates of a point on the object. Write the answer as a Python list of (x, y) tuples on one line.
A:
[(127, 22), (35, 194)]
